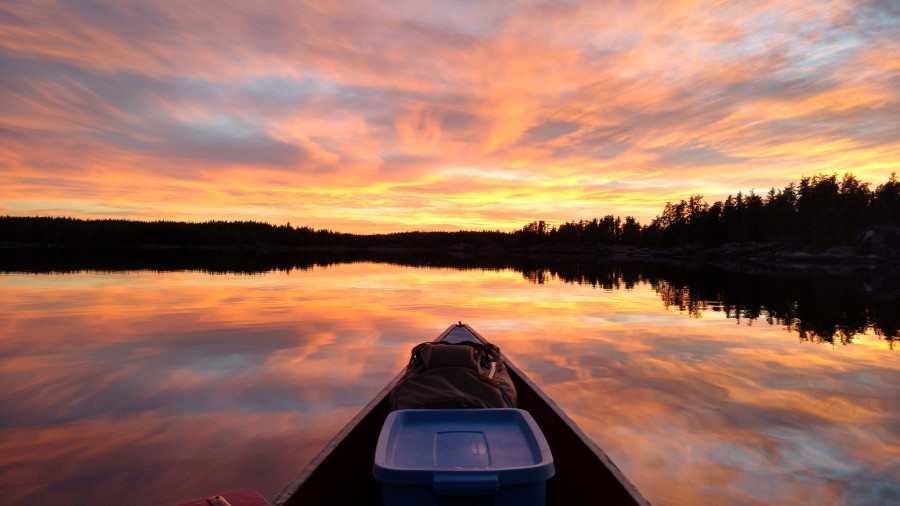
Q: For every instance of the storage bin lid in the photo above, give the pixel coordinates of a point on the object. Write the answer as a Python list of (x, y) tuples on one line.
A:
[(481, 448)]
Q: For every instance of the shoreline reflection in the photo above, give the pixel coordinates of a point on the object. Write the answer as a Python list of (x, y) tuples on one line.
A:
[(821, 304)]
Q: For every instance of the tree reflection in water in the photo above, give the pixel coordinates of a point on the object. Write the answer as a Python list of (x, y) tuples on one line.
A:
[(821, 303)]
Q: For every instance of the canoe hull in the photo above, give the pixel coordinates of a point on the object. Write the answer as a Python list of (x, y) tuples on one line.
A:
[(342, 472)]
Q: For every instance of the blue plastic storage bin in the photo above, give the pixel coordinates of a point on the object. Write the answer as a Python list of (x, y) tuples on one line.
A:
[(462, 456)]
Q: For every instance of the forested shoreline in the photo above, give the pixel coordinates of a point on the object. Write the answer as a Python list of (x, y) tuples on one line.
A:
[(819, 213)]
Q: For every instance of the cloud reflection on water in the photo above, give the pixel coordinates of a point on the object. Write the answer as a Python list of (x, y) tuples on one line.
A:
[(160, 387), (695, 415)]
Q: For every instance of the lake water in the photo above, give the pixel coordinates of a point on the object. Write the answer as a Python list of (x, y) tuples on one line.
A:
[(704, 386)]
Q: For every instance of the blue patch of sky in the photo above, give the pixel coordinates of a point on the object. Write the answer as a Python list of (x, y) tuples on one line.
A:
[(141, 19), (879, 14), (599, 46), (285, 89), (225, 126), (817, 42), (553, 129), (474, 18), (260, 91)]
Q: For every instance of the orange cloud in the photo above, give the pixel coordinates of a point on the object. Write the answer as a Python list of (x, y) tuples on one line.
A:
[(336, 116)]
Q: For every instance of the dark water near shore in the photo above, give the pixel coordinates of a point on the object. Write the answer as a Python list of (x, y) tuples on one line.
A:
[(706, 384)]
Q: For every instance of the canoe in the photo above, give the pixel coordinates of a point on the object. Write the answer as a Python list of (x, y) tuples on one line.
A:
[(342, 472)]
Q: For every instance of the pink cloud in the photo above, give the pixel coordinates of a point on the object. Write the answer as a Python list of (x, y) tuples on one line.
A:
[(337, 103)]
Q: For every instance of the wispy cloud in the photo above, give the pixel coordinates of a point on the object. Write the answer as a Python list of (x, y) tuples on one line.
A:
[(344, 113)]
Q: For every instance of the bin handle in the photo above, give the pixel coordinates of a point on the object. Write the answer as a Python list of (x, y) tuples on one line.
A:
[(466, 483)]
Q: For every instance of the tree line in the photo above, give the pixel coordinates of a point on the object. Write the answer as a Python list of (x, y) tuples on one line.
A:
[(821, 210), (129, 233)]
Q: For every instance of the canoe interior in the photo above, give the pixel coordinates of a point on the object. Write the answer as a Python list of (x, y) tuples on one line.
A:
[(342, 472)]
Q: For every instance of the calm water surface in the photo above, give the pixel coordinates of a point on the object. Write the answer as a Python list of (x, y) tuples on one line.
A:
[(142, 387)]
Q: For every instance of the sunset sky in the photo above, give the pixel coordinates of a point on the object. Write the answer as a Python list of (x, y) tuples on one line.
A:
[(401, 115)]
